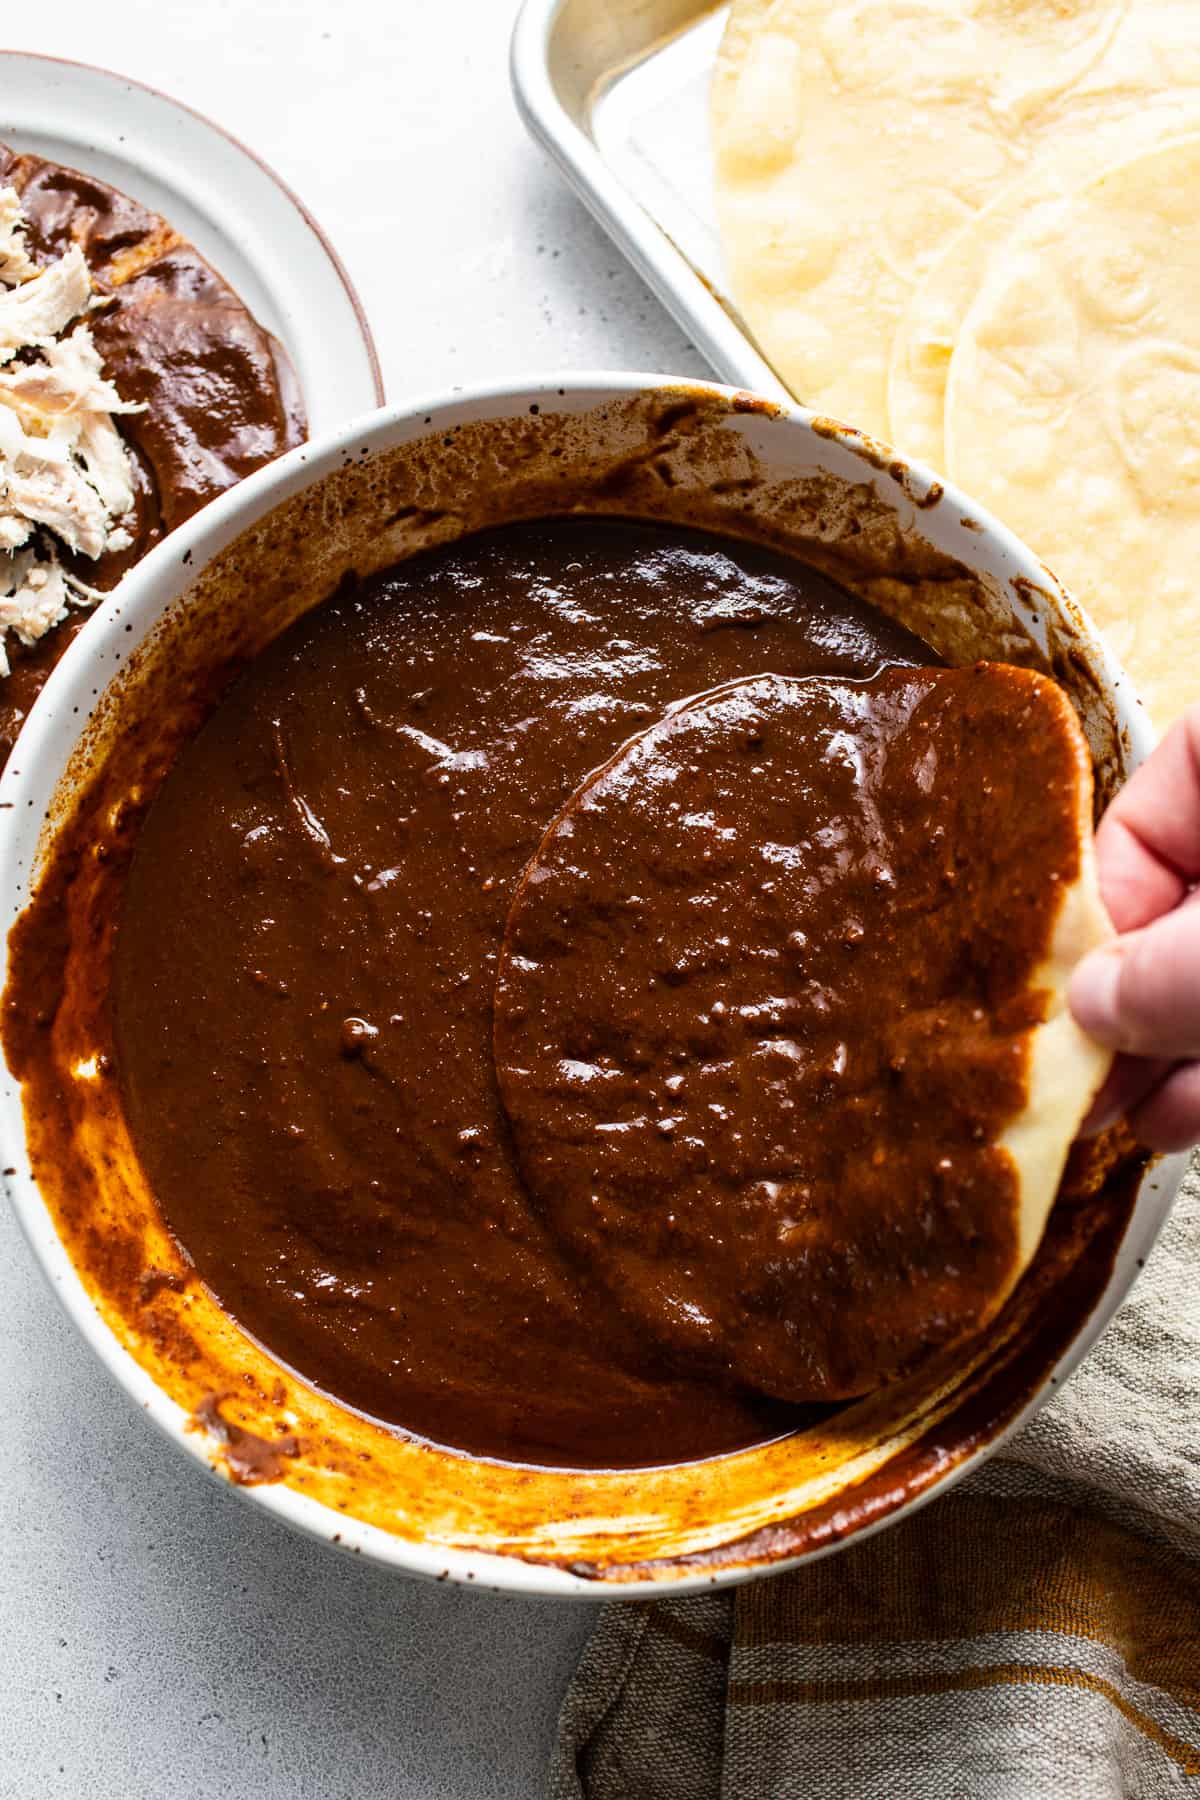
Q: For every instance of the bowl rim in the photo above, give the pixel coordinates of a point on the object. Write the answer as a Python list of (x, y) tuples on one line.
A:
[(152, 586)]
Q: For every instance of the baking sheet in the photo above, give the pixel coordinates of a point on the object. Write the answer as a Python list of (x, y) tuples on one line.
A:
[(617, 92)]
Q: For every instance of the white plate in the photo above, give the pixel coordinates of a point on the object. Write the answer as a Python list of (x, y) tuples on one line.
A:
[(232, 207)]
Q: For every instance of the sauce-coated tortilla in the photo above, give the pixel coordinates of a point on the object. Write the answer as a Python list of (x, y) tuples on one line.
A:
[(781, 1025)]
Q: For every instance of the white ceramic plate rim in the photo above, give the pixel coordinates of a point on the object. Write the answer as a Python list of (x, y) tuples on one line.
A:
[(41, 754), (222, 196)]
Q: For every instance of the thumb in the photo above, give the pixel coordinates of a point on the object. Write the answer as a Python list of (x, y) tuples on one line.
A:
[(1141, 993)]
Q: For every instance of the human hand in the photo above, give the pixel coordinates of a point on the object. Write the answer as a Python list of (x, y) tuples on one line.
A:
[(1141, 994)]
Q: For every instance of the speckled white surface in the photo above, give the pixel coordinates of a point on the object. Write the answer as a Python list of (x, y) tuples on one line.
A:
[(159, 1639)]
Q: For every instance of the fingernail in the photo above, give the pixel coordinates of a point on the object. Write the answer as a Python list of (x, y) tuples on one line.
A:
[(1098, 1120), (1094, 994)]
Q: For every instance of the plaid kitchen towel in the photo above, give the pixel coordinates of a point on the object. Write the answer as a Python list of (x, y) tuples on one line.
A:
[(1035, 1635)]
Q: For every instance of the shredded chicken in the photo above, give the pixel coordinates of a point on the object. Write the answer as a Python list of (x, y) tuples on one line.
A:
[(55, 495), (33, 596), (34, 312), (65, 472), (15, 262)]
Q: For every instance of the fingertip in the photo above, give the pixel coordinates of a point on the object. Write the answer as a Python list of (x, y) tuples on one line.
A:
[(1101, 1115), (1106, 1107), (1128, 1083), (1094, 995), (1169, 1118)]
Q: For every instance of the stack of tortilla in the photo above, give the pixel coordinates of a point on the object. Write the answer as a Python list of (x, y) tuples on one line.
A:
[(969, 227)]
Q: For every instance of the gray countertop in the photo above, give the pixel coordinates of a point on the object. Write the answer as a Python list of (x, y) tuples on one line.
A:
[(161, 1639)]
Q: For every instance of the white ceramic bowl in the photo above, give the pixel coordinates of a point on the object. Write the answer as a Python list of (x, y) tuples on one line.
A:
[(234, 575)]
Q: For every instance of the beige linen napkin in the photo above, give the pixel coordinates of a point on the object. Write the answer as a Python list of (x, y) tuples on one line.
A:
[(1035, 1635)]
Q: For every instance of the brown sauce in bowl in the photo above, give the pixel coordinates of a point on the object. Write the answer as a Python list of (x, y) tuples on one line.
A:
[(307, 957)]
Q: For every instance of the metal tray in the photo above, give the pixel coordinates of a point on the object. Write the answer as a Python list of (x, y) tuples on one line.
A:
[(617, 92)]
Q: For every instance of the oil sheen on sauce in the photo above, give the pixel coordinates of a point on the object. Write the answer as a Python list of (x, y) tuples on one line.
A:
[(308, 953)]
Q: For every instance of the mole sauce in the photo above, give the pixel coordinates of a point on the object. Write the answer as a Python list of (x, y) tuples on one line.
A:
[(308, 952)]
